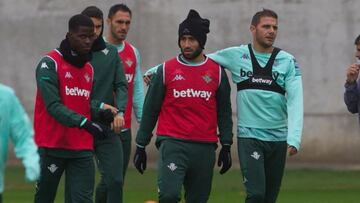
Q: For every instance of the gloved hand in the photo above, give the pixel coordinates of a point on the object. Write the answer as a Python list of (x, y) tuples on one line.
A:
[(140, 159), (224, 159), (32, 172), (106, 116), (95, 129)]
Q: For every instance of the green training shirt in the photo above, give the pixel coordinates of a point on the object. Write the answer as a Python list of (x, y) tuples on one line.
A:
[(266, 115), (109, 78)]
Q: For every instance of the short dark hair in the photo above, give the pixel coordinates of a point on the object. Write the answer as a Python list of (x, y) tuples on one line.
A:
[(79, 20), (118, 7), (264, 13), (357, 40), (93, 12)]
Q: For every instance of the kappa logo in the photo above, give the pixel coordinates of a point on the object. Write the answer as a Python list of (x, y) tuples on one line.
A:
[(172, 166), (68, 75), (186, 31), (44, 65), (87, 77), (255, 155), (129, 62), (52, 168), (178, 77), (105, 51), (245, 56)]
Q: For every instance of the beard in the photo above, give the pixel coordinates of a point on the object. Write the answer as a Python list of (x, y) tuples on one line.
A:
[(192, 56), (118, 36), (263, 43)]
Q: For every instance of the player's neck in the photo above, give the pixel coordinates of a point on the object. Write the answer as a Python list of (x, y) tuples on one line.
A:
[(258, 48), (197, 59)]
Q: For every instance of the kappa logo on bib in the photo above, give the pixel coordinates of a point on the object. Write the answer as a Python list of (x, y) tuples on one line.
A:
[(68, 75), (178, 77)]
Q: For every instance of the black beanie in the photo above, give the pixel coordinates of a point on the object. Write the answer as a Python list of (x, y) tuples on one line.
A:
[(195, 26)]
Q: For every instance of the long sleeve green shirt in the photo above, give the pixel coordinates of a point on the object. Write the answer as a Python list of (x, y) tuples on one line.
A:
[(154, 99), (266, 115), (109, 78)]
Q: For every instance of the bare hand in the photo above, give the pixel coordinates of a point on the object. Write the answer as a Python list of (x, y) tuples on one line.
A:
[(352, 73), (147, 79), (113, 109), (118, 123), (292, 150)]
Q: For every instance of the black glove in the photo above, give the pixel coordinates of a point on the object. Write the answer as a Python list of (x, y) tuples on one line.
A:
[(140, 159), (95, 129), (224, 159), (106, 116)]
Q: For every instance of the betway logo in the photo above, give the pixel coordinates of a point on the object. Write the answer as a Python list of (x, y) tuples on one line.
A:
[(129, 77), (192, 93), (77, 92), (261, 81), (250, 74)]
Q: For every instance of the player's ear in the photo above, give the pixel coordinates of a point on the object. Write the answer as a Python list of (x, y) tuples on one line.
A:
[(252, 28)]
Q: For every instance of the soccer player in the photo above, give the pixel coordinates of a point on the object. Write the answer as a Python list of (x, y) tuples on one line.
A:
[(15, 125), (190, 97), (63, 129), (110, 86), (269, 107), (352, 88), (119, 20)]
